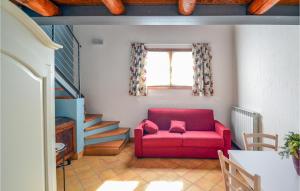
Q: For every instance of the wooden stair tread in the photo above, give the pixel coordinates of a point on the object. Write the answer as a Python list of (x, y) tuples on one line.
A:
[(101, 125), (106, 148), (114, 132), (110, 144), (91, 117), (63, 97)]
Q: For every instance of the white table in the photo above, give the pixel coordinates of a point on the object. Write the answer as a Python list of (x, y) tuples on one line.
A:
[(276, 174)]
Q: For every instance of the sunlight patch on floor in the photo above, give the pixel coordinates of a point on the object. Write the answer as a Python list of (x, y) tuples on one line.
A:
[(118, 185), (165, 185)]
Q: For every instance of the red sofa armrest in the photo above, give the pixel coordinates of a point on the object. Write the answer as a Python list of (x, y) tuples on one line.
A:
[(226, 134), (138, 137)]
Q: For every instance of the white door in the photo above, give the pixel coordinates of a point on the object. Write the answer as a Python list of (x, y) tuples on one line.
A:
[(22, 127)]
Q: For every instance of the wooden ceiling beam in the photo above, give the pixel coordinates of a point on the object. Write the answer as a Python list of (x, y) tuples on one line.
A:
[(186, 7), (116, 7), (259, 7), (168, 2), (42, 7)]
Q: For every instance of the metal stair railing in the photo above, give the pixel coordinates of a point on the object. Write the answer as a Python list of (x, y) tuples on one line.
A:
[(67, 59)]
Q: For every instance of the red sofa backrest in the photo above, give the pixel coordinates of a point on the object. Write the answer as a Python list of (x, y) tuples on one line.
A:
[(195, 119)]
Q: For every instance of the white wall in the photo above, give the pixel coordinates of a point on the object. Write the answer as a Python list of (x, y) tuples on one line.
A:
[(267, 60), (105, 70)]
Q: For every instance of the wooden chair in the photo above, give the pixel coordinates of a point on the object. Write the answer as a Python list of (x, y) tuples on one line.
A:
[(236, 178), (260, 144)]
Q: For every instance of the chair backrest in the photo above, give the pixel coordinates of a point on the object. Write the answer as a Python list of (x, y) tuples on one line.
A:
[(236, 178), (195, 119), (260, 143)]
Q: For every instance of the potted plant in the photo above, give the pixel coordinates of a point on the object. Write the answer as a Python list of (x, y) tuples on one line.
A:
[(291, 147)]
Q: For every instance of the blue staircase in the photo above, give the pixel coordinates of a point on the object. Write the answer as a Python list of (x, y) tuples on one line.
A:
[(103, 137), (93, 135)]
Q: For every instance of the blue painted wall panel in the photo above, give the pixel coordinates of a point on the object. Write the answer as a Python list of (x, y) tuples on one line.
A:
[(74, 109)]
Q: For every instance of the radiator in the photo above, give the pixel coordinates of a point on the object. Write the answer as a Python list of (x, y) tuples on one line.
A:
[(243, 121)]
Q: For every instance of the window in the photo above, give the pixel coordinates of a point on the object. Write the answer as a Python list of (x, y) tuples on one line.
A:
[(169, 68)]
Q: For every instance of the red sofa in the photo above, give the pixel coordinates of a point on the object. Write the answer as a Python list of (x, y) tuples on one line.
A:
[(203, 136)]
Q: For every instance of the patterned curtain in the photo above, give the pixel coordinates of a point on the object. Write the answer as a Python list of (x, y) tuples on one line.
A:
[(203, 84), (137, 85)]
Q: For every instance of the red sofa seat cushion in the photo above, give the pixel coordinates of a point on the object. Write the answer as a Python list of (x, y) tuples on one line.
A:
[(208, 139), (162, 139), (195, 119)]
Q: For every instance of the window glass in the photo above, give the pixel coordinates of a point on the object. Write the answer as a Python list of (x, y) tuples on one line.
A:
[(158, 69), (182, 69), (169, 68)]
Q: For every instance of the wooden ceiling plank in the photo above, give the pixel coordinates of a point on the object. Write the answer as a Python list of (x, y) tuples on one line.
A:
[(186, 7), (166, 2), (42, 7), (116, 7), (259, 7)]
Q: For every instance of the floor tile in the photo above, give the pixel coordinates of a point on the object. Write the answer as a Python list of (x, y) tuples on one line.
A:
[(96, 173)]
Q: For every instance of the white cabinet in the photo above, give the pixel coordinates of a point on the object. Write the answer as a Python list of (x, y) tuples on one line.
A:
[(27, 104)]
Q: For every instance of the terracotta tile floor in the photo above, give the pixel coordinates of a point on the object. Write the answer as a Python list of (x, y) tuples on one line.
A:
[(125, 172)]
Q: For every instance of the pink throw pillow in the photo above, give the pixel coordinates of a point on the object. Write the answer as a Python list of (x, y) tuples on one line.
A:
[(150, 127), (177, 127)]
